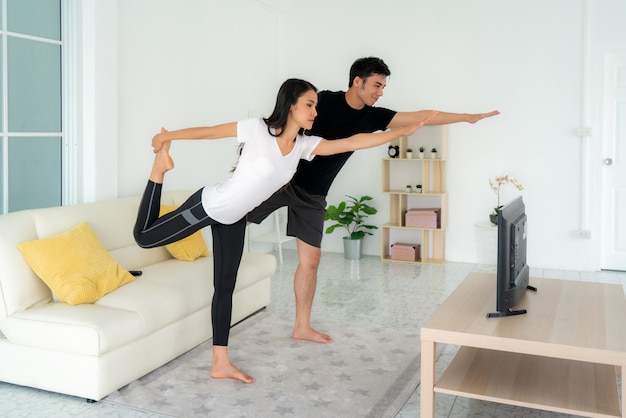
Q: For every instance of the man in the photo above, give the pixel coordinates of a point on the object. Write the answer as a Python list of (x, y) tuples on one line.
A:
[(339, 114)]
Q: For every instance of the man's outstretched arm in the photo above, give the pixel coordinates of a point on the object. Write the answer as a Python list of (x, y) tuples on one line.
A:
[(441, 118)]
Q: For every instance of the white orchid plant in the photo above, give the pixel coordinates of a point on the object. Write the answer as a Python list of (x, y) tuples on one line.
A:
[(499, 182)]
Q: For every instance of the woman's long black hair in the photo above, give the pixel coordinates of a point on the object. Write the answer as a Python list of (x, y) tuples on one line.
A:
[(288, 94)]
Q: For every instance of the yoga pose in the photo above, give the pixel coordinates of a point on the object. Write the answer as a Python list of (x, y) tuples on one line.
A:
[(272, 150), (340, 114)]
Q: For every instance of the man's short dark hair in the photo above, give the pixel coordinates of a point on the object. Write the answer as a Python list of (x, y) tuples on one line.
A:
[(365, 67)]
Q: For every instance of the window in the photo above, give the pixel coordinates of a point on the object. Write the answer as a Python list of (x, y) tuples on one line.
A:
[(31, 138)]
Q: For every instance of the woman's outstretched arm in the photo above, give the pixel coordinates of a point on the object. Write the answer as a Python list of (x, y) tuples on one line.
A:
[(363, 141), (226, 130)]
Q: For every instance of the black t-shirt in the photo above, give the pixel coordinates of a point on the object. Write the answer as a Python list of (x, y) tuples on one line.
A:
[(335, 120)]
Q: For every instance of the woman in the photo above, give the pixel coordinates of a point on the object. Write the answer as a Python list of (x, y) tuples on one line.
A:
[(273, 147)]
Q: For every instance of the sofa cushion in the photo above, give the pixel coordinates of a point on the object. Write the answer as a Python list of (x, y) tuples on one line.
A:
[(187, 249), (166, 292), (75, 265), (87, 329)]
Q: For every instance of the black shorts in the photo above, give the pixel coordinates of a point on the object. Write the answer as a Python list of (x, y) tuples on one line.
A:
[(305, 213)]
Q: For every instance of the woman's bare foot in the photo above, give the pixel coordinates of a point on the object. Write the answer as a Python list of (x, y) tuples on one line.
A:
[(222, 368), (309, 334), (162, 164)]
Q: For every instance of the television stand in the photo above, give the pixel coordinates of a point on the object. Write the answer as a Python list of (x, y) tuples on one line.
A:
[(562, 356), (511, 312), (508, 312)]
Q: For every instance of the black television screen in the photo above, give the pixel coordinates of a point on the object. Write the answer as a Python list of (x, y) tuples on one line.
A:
[(512, 271)]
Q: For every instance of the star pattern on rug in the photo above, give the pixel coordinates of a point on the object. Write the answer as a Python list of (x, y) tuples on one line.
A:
[(202, 410), (379, 371), (343, 377), (360, 392), (276, 379), (282, 411), (306, 370), (313, 386), (244, 402), (321, 403)]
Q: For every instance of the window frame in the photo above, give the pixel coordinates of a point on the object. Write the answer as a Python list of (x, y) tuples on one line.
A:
[(70, 110)]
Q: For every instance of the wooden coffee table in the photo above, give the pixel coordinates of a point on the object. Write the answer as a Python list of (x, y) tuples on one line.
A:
[(562, 356)]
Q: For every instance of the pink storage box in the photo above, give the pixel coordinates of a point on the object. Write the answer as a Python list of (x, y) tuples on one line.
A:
[(423, 218), (405, 252)]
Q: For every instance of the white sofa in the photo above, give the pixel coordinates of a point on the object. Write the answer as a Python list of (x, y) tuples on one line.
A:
[(91, 350)]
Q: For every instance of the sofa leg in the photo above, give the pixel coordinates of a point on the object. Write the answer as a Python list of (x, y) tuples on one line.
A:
[(91, 401)]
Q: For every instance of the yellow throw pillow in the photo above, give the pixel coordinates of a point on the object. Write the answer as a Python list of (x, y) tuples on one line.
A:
[(75, 265), (187, 249)]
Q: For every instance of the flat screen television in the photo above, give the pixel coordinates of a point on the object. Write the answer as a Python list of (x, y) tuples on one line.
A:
[(512, 271)]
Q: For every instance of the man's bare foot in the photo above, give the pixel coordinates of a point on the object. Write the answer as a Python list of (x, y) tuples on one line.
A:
[(309, 334)]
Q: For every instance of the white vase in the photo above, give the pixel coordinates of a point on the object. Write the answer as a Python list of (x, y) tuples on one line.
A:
[(433, 155), (409, 154), (421, 155)]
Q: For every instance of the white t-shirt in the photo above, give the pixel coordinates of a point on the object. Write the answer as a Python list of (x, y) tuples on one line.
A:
[(261, 171)]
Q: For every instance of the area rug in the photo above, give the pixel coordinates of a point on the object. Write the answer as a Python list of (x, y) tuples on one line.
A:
[(368, 371)]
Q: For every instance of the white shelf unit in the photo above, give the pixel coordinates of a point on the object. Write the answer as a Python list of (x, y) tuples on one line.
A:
[(431, 174)]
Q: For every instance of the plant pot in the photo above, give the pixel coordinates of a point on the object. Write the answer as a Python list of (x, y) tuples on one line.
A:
[(433, 155), (493, 218), (409, 154), (418, 190), (421, 155), (352, 248)]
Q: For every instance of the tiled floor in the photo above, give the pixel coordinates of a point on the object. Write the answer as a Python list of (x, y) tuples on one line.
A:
[(366, 291)]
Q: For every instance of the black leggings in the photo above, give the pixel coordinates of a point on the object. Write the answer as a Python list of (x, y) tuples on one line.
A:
[(154, 231)]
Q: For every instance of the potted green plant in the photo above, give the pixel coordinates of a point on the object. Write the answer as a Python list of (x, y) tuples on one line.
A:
[(408, 188), (418, 188), (433, 153), (409, 153), (351, 216), (421, 152)]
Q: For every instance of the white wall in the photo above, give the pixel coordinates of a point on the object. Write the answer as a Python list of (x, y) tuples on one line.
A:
[(97, 85), (197, 62), (524, 58), (190, 63)]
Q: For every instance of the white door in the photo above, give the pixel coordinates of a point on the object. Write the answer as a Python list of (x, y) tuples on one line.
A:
[(613, 153)]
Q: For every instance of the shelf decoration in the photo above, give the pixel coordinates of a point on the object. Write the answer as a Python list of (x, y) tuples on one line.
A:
[(417, 185)]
